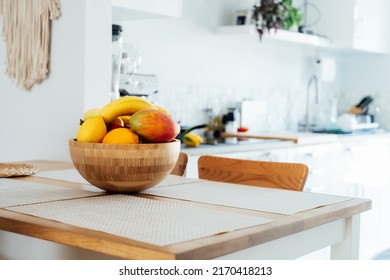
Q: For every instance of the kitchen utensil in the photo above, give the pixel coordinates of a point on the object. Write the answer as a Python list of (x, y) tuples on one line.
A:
[(124, 168), (184, 130), (362, 106), (296, 137)]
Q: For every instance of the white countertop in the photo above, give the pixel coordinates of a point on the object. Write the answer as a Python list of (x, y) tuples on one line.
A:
[(255, 144)]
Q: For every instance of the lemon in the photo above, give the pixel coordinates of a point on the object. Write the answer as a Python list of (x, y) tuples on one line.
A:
[(121, 136), (192, 140), (92, 130)]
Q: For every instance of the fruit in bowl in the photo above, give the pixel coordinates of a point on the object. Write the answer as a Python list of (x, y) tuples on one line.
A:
[(126, 146)]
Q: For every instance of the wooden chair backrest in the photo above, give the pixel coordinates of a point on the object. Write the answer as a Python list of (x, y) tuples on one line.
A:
[(282, 175), (180, 168)]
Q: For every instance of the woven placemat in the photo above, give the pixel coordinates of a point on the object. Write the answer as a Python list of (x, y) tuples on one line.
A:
[(151, 221), (17, 169), (72, 175), (247, 197), (17, 192)]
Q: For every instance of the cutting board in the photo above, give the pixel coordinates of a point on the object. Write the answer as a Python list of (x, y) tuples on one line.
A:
[(296, 137)]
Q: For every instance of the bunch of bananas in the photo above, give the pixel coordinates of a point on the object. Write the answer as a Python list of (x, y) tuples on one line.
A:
[(192, 139), (124, 106)]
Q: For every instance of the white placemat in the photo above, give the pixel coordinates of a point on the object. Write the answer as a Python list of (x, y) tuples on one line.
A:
[(72, 175), (247, 197), (147, 220), (171, 180), (15, 192)]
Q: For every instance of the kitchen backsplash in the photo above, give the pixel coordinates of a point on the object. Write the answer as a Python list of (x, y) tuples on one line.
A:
[(285, 108), (188, 103)]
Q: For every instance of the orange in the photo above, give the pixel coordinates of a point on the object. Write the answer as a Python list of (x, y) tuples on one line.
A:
[(121, 136)]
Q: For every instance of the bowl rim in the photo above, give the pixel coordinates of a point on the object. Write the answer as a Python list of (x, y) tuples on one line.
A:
[(74, 140)]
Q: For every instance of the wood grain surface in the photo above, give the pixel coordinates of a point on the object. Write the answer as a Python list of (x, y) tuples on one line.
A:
[(281, 175)]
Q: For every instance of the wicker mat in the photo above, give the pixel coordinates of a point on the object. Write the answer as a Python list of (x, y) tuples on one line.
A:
[(151, 221), (247, 197), (72, 175), (15, 192), (16, 169)]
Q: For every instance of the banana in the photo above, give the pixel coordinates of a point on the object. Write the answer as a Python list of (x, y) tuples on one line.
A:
[(91, 113), (192, 140), (126, 105)]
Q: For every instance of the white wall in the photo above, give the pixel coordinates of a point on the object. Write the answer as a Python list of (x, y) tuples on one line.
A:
[(37, 124), (193, 64)]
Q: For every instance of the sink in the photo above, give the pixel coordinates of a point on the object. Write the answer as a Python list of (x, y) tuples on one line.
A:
[(353, 132), (332, 131), (248, 141)]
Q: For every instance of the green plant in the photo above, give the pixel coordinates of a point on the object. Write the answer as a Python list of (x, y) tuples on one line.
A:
[(275, 14)]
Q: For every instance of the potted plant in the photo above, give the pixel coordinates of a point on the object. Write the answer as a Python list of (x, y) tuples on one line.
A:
[(275, 14)]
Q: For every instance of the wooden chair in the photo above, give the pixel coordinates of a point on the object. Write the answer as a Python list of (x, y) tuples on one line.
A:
[(181, 165), (282, 175)]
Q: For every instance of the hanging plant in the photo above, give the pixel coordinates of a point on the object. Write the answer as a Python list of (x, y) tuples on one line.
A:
[(275, 14)]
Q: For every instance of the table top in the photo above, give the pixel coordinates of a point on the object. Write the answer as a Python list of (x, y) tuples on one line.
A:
[(207, 247)]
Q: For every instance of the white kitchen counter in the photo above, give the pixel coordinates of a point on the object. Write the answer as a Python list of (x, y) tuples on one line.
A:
[(258, 145), (242, 146)]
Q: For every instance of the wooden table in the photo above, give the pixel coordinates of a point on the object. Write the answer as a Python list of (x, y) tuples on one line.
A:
[(288, 237)]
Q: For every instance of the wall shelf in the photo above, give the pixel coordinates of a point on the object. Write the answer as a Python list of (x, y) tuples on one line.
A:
[(280, 35), (144, 9)]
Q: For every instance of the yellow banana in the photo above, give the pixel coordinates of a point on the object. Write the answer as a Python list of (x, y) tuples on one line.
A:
[(125, 105), (91, 113), (192, 140)]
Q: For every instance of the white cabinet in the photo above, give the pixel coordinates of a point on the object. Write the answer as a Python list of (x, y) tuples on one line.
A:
[(327, 164), (353, 24), (143, 9), (355, 166)]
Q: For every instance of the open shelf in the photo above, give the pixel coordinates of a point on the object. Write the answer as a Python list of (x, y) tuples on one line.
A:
[(280, 35)]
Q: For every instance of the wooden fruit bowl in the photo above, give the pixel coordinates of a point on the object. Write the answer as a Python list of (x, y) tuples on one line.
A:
[(124, 168)]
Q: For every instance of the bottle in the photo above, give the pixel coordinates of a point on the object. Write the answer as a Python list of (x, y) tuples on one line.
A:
[(229, 120), (116, 60)]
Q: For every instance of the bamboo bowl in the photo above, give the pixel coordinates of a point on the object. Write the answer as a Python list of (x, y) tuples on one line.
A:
[(124, 168)]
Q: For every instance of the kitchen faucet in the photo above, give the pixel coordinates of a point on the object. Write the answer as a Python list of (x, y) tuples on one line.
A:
[(314, 80)]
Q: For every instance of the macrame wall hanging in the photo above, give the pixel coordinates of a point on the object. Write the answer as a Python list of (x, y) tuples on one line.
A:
[(26, 31)]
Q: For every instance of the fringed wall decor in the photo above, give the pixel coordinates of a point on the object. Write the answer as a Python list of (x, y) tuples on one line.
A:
[(26, 31)]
